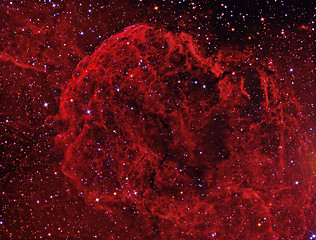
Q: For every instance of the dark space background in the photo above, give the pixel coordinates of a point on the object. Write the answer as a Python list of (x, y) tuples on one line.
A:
[(41, 43)]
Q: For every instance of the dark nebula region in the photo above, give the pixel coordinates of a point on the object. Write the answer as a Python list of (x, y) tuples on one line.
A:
[(153, 136)]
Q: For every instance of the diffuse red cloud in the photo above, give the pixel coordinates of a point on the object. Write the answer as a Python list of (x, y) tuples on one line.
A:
[(201, 147)]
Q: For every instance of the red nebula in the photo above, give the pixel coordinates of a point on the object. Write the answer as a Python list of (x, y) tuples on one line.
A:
[(185, 146)]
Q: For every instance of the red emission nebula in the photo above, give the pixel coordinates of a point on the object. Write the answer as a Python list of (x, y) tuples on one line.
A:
[(151, 124), (159, 120)]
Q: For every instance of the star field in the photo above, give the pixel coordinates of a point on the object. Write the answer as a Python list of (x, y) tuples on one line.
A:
[(166, 119)]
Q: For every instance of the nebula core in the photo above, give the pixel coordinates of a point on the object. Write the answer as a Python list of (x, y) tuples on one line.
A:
[(155, 126)]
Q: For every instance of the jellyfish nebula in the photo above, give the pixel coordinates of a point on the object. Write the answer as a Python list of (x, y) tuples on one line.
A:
[(184, 145)]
